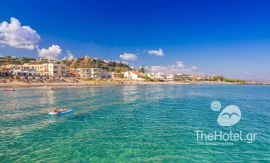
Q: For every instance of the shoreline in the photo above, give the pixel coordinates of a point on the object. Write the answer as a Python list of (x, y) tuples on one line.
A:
[(106, 83)]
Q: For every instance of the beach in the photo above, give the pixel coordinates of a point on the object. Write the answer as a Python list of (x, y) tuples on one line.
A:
[(106, 82)]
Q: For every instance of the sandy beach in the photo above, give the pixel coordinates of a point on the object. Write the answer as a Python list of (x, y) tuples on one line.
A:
[(81, 83), (93, 83)]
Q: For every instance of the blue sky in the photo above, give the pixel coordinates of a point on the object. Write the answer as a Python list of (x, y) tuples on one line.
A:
[(228, 37)]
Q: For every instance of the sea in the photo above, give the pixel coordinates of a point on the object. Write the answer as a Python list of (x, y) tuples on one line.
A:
[(135, 123)]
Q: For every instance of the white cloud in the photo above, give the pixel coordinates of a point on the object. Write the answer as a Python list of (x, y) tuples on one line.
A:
[(17, 36), (180, 64), (128, 57), (177, 68), (158, 52), (50, 53), (69, 56), (194, 68), (170, 69)]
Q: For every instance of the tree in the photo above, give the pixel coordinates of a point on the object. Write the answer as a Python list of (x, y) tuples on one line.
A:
[(142, 70)]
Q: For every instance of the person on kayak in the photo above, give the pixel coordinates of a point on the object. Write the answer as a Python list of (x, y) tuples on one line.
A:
[(60, 110)]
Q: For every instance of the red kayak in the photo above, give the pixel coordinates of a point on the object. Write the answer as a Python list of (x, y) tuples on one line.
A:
[(60, 111)]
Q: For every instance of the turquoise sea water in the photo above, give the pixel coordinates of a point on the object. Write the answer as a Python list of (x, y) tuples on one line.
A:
[(151, 123)]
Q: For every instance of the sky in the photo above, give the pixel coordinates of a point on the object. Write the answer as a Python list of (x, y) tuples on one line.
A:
[(225, 37)]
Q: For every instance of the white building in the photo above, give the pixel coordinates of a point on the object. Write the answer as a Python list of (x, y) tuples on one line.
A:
[(24, 72), (159, 76), (170, 77), (86, 73), (46, 69), (135, 75), (56, 70)]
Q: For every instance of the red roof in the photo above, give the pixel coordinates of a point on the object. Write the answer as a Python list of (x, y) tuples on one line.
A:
[(136, 72)]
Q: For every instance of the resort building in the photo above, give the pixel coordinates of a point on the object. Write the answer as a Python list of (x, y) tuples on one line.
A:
[(87, 73), (18, 70), (4, 71), (24, 72), (56, 70), (50, 69), (46, 69), (28, 67), (42, 70), (10, 67)]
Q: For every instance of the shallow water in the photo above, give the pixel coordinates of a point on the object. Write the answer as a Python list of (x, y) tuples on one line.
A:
[(154, 123)]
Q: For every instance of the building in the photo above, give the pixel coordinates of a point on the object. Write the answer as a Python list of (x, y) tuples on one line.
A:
[(158, 76), (106, 75), (186, 77), (87, 73), (135, 75), (51, 70), (46, 69), (24, 72), (4, 71), (178, 77), (10, 67), (74, 72), (42, 70), (57, 70), (201, 77), (189, 77), (18, 70), (28, 67), (170, 77)]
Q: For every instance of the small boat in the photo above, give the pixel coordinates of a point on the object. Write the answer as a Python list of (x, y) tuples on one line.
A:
[(60, 111)]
